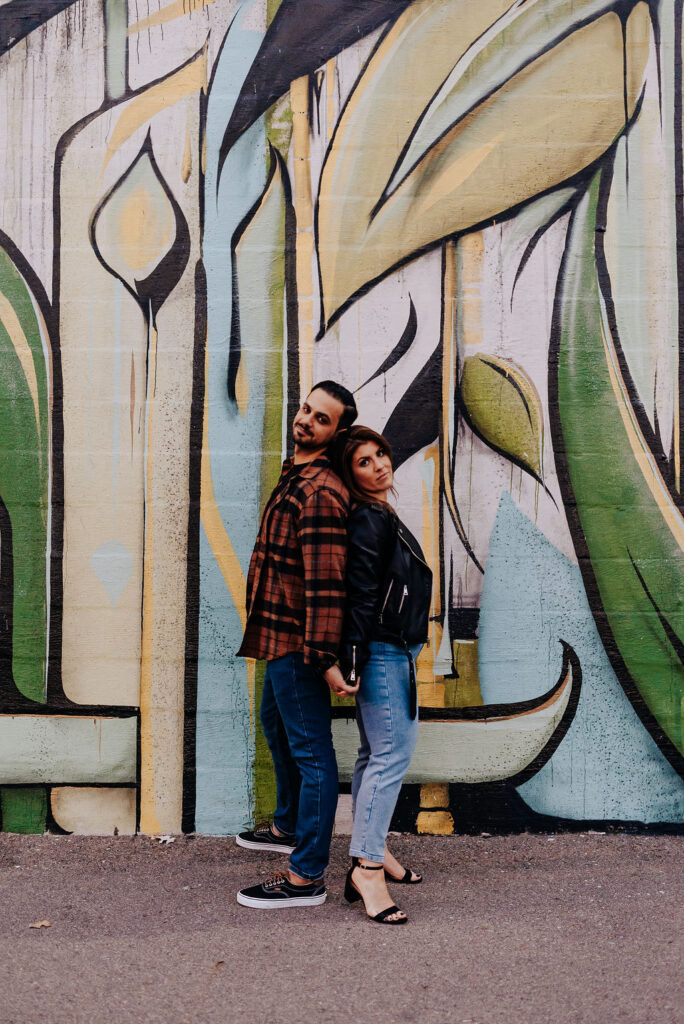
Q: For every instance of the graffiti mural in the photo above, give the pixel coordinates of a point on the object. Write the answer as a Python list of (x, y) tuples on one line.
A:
[(469, 213)]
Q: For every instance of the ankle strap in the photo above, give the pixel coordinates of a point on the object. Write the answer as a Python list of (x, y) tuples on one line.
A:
[(367, 867)]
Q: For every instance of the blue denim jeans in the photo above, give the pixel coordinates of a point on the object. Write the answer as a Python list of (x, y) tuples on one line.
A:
[(295, 715), (388, 738)]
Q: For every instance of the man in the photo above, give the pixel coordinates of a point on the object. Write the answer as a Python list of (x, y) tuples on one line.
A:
[(295, 608)]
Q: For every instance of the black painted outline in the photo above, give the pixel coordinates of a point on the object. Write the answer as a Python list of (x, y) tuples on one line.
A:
[(21, 17), (679, 204), (675, 642), (537, 237), (378, 13), (235, 348), (192, 586), (39, 295), (56, 698), (492, 712), (196, 443), (147, 293), (620, 7), (662, 741), (407, 338), (485, 440), (651, 436)]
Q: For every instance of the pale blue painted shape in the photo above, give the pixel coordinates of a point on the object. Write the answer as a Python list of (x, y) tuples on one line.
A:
[(607, 766), (116, 47), (225, 746), (112, 563)]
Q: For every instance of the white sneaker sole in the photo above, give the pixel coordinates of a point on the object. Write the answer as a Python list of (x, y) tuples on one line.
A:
[(249, 845), (296, 901)]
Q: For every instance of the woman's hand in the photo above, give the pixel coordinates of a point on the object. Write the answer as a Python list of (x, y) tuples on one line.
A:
[(337, 684)]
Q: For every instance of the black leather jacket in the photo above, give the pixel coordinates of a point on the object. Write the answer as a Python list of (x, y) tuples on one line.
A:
[(388, 586)]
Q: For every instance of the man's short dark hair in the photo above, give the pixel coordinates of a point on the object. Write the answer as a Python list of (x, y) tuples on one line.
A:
[(338, 391)]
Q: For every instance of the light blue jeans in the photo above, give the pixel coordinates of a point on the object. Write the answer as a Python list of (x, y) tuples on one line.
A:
[(388, 738)]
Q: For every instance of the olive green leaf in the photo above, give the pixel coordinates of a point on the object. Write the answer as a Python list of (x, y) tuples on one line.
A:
[(25, 474), (464, 112), (626, 519), (502, 406)]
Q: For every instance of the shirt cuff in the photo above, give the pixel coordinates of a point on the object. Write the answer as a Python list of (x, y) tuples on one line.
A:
[(319, 659)]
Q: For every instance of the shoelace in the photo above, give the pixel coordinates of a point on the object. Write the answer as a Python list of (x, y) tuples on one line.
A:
[(275, 880), (263, 826)]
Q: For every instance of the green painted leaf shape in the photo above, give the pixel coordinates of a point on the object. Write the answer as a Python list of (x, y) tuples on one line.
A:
[(626, 520), (503, 407), (25, 473)]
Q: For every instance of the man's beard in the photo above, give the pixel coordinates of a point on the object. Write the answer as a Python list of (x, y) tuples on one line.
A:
[(306, 442)]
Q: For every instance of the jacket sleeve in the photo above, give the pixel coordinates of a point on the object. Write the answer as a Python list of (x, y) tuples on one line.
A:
[(322, 534), (369, 538)]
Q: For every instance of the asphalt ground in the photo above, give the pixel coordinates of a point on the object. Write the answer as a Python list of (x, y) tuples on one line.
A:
[(524, 928)]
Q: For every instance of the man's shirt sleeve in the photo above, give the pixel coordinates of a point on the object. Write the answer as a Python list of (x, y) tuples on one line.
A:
[(322, 534)]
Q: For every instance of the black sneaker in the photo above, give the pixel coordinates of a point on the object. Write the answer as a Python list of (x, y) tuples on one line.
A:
[(264, 838), (279, 891)]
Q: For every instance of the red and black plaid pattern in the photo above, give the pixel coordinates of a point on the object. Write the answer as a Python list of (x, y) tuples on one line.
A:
[(295, 586)]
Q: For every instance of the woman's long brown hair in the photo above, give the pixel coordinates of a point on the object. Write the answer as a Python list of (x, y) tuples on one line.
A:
[(344, 456)]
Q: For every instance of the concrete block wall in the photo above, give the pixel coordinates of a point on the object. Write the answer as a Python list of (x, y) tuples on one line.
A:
[(467, 211)]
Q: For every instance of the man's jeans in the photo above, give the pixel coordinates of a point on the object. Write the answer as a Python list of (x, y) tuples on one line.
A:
[(388, 738), (295, 715)]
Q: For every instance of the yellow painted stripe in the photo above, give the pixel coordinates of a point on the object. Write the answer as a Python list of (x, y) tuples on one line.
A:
[(642, 453), (304, 242), (158, 97), (179, 9), (330, 95), (10, 321), (449, 380), (149, 822)]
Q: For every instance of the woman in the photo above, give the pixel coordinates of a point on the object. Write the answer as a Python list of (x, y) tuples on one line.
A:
[(388, 601)]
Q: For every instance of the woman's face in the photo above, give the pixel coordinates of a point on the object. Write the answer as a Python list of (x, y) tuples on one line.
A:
[(372, 470)]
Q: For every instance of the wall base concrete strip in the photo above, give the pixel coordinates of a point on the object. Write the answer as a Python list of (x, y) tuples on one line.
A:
[(67, 749)]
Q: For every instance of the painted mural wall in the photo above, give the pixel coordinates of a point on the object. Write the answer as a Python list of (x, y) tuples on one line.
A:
[(471, 213)]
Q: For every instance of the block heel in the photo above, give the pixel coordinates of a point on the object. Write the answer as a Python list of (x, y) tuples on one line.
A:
[(352, 895)]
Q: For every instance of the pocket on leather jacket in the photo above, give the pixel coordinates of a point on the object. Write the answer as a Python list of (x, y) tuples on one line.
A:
[(392, 602)]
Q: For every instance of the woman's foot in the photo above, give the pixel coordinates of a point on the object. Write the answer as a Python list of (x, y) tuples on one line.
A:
[(395, 872), (368, 880)]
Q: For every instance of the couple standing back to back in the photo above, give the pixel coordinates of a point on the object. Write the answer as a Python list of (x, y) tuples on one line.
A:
[(338, 593)]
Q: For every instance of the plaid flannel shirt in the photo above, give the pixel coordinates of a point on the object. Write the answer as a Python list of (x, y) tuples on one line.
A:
[(295, 586)]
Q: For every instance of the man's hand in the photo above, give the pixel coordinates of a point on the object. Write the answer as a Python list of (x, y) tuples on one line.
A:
[(337, 684)]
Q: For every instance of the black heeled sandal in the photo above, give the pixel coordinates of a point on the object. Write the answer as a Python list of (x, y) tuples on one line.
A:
[(405, 878), (352, 894)]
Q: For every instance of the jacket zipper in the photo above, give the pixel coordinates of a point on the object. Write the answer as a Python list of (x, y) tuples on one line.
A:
[(417, 557), (404, 595), (384, 603), (352, 674)]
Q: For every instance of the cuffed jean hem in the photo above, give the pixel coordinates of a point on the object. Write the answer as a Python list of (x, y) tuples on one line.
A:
[(288, 833), (366, 856), (306, 878)]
